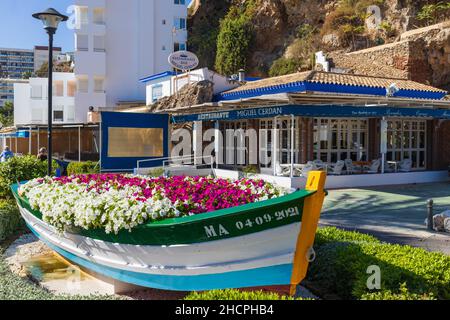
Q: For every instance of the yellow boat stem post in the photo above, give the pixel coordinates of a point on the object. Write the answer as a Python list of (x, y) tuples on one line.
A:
[(311, 214)]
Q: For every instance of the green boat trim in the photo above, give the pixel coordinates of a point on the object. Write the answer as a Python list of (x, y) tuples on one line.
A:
[(212, 226)]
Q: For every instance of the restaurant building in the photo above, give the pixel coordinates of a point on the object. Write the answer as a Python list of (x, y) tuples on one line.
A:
[(322, 119)]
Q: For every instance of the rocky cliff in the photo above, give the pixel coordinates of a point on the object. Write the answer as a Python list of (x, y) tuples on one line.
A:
[(286, 33)]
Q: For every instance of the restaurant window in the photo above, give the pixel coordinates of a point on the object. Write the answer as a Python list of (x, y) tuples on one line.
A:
[(157, 92), (407, 139), (340, 139), (236, 150), (285, 142)]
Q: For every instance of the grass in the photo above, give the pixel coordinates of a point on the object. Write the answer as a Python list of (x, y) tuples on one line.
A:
[(339, 272)]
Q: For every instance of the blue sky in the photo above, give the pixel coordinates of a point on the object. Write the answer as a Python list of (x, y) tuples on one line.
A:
[(19, 30)]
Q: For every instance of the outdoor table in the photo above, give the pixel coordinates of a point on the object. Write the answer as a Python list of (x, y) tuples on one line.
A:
[(395, 163)]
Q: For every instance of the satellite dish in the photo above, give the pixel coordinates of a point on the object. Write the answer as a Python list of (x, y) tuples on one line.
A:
[(392, 90)]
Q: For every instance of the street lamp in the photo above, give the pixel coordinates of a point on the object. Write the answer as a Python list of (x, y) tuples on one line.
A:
[(51, 19)]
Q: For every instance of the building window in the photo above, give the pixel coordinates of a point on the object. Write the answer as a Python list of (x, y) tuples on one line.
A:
[(99, 16), (179, 23), (82, 16), (36, 115), (340, 139), (180, 2), (58, 88), (157, 92), (58, 115), (236, 143), (99, 85), (285, 142), (407, 139), (164, 22), (82, 42), (71, 88), (36, 92), (99, 43), (70, 112), (83, 84), (179, 46)]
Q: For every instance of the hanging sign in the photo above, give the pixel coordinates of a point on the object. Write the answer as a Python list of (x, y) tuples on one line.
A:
[(183, 60)]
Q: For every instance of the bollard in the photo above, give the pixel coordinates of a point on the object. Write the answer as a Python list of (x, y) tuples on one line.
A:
[(430, 214)]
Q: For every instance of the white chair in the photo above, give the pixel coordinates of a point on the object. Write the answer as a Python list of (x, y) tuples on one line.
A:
[(350, 167), (373, 168), (307, 169), (337, 168), (280, 171), (318, 164), (405, 165)]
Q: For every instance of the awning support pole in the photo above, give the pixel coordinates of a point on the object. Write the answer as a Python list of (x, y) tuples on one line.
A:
[(275, 146), (38, 139), (29, 141), (292, 144), (79, 144)]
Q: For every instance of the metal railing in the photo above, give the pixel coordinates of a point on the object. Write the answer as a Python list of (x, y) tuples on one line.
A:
[(173, 162)]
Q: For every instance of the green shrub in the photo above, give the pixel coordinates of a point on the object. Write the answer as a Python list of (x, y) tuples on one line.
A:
[(250, 170), (341, 267), (434, 13), (283, 66), (236, 295), (10, 219), (20, 169), (155, 173), (88, 167), (234, 39)]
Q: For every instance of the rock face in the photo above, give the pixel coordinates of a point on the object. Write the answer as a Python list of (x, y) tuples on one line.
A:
[(421, 55), (418, 56), (189, 95)]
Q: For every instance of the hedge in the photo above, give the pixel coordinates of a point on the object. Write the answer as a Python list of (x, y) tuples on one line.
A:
[(88, 167), (236, 295), (344, 257), (20, 169), (10, 219)]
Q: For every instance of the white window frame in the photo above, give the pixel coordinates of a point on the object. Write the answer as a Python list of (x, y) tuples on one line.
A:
[(401, 144), (344, 134)]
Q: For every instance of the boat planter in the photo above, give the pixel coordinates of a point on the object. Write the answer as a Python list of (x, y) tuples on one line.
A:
[(258, 244)]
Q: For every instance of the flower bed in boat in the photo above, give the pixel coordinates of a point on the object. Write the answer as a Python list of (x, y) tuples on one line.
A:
[(121, 202)]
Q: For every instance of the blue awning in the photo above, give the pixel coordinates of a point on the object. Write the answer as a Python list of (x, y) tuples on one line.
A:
[(314, 111)]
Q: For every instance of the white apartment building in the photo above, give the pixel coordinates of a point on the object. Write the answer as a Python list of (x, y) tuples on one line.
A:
[(31, 101), (119, 42)]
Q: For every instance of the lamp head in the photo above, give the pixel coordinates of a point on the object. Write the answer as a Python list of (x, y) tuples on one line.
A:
[(51, 19)]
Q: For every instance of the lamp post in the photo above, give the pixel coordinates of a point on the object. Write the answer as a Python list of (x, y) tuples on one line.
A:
[(51, 19)]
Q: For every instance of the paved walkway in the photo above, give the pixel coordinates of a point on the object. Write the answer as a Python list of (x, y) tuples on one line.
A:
[(393, 213)]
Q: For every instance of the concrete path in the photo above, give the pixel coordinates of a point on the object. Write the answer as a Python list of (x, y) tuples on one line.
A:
[(394, 214)]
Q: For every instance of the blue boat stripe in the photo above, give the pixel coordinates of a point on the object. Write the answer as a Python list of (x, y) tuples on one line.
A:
[(267, 276)]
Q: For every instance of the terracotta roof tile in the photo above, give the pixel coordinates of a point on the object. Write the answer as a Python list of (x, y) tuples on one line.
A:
[(336, 78)]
